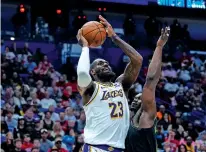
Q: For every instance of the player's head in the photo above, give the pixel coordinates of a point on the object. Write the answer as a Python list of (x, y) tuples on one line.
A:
[(136, 107), (136, 103), (101, 71)]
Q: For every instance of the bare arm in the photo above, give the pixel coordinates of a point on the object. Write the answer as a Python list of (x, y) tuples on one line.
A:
[(132, 70), (153, 75), (84, 80)]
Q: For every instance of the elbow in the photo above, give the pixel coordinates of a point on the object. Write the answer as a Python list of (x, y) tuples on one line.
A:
[(137, 59)]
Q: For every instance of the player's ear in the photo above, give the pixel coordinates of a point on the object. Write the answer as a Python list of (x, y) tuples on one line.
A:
[(92, 72)]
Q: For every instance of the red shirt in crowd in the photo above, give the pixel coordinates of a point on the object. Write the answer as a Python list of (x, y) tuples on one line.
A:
[(64, 125), (174, 144), (26, 145), (59, 150)]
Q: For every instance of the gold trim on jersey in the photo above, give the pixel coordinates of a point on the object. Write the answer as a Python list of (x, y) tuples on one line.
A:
[(106, 85), (91, 100)]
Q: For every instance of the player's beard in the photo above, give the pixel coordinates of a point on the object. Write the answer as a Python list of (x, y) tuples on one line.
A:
[(106, 76)]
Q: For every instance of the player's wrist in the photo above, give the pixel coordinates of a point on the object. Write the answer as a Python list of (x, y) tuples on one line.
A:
[(161, 46), (114, 36)]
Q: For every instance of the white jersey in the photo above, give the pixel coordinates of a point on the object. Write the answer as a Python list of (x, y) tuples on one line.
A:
[(107, 116)]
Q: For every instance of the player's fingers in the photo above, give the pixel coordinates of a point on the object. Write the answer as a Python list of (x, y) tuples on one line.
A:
[(168, 31), (104, 23), (162, 31), (102, 18), (78, 35)]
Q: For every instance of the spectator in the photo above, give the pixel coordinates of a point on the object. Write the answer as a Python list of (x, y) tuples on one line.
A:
[(18, 99), (8, 145), (54, 115), (182, 148), (184, 74), (69, 139), (9, 55), (201, 141), (18, 146), (171, 87), (173, 142), (58, 145), (37, 129), (79, 143), (169, 71), (45, 143), (189, 145), (63, 122), (81, 122), (30, 65), (161, 112), (47, 122), (21, 129), (177, 127), (70, 114), (159, 137), (34, 149), (10, 121), (36, 144), (47, 101), (27, 144), (57, 130)]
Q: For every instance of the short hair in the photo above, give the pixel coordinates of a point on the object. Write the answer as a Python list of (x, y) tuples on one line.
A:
[(17, 140), (92, 65)]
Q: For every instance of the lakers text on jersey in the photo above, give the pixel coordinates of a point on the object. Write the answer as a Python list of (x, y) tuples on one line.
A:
[(107, 116)]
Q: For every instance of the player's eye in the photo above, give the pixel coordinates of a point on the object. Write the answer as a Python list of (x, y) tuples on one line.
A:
[(100, 63)]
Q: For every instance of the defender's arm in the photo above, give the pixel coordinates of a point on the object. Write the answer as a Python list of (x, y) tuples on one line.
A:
[(153, 75)]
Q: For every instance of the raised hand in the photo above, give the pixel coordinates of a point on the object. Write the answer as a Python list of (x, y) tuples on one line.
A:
[(165, 33), (81, 40), (108, 27)]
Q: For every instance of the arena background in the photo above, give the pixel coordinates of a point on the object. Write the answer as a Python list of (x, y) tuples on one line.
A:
[(34, 30)]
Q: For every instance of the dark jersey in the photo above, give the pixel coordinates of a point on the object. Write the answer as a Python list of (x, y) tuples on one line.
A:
[(140, 140)]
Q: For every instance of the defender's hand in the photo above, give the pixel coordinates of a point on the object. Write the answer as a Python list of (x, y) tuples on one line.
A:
[(81, 40), (108, 27), (165, 33)]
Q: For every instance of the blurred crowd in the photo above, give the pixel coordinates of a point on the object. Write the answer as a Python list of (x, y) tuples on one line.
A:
[(40, 107), (41, 110)]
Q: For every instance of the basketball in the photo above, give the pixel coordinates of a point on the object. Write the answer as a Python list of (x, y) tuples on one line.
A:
[(94, 32)]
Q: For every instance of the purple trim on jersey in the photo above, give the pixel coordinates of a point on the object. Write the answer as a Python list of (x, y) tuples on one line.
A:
[(86, 148)]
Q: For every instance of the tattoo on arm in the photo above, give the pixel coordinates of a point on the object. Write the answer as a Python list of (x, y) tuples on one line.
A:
[(132, 69)]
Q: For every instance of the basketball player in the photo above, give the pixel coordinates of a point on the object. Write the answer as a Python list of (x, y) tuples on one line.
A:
[(105, 102), (140, 137)]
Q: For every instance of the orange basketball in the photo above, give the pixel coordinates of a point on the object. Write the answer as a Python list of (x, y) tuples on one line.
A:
[(94, 32)]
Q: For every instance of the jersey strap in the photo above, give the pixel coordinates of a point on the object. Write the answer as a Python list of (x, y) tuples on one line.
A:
[(96, 91)]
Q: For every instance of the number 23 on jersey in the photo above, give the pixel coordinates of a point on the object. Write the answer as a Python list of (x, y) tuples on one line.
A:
[(117, 110)]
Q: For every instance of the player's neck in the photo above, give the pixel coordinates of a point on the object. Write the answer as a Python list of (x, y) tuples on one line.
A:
[(103, 82)]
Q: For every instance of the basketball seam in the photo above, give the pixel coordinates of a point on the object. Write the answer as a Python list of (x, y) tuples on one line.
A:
[(89, 32), (99, 32), (95, 36)]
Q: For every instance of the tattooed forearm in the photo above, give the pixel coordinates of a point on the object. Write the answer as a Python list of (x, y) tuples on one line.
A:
[(132, 69)]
